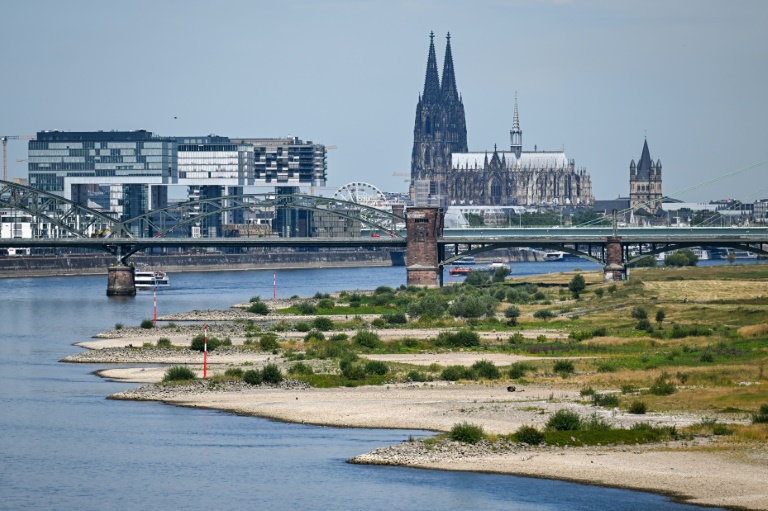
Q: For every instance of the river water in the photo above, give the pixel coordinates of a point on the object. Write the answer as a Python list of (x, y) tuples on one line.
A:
[(64, 446)]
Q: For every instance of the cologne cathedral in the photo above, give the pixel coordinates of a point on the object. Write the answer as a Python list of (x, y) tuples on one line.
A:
[(500, 178)]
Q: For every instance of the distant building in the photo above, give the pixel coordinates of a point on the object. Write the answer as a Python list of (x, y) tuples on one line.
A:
[(127, 173), (645, 183), (515, 177)]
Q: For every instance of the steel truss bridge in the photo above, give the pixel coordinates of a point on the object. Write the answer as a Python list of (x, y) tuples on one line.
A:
[(66, 224), (62, 223), (591, 242)]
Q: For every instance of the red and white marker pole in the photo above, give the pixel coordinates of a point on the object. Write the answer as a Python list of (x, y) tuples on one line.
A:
[(274, 286), (154, 318), (205, 351)]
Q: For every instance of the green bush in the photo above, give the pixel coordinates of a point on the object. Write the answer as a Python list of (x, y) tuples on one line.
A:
[(376, 367), (455, 373), (486, 369), (662, 387), (477, 279), (606, 400), (564, 366), (638, 407), (680, 331), (258, 307), (198, 343), (428, 306), (272, 374), (529, 435), (544, 314), (645, 325), (179, 373), (253, 377), (587, 391), (367, 339), (306, 308), (302, 326), (301, 368), (470, 306), (416, 376), (460, 339), (564, 420), (234, 372), (322, 323), (395, 318), (383, 290), (314, 335), (466, 433), (118, 326), (639, 313), (761, 417), (519, 369), (326, 303), (147, 324), (379, 323), (268, 342), (353, 372), (164, 342)]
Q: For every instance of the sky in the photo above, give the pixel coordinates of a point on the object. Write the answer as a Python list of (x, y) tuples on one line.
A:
[(595, 77)]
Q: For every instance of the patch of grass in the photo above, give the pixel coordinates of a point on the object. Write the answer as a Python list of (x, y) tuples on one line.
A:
[(164, 342), (147, 324), (234, 372), (637, 407), (457, 372)]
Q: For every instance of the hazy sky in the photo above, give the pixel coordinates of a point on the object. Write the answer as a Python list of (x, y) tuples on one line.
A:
[(592, 76)]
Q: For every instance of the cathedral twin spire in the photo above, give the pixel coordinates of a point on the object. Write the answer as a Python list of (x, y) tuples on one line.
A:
[(434, 91)]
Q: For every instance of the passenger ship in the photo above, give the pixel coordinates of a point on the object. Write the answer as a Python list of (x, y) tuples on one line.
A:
[(151, 279)]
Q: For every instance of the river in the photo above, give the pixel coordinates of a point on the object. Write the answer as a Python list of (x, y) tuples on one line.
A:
[(64, 446)]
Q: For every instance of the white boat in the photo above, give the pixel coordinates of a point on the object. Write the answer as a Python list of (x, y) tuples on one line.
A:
[(554, 256), (151, 279), (465, 260)]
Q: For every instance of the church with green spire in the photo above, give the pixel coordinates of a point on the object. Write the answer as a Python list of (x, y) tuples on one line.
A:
[(442, 160)]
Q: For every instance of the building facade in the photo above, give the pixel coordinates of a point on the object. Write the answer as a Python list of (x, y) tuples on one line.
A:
[(515, 177), (645, 183)]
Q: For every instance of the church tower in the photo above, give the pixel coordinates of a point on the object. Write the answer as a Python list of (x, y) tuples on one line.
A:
[(645, 183), (440, 128), (516, 134)]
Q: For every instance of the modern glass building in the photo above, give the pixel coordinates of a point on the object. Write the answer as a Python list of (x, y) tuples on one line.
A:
[(57, 155)]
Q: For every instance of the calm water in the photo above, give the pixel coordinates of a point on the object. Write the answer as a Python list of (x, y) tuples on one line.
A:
[(64, 446)]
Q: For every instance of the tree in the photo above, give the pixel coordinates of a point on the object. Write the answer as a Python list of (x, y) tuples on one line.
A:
[(512, 313), (500, 274), (577, 285), (684, 257), (660, 315), (639, 313), (477, 279)]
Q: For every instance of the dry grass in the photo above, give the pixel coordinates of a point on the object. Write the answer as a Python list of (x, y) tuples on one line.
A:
[(706, 290), (754, 330)]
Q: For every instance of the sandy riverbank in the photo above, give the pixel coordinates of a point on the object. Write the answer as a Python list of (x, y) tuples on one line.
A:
[(702, 471)]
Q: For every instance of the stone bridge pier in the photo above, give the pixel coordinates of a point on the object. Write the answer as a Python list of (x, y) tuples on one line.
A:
[(422, 254), (121, 281), (614, 263)]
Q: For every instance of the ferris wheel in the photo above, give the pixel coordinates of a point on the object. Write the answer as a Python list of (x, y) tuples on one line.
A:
[(361, 193)]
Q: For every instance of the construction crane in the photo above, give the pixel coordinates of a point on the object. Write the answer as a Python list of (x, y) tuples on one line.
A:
[(5, 139)]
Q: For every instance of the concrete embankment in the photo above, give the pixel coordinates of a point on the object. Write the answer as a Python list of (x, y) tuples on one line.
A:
[(71, 264), (97, 264)]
